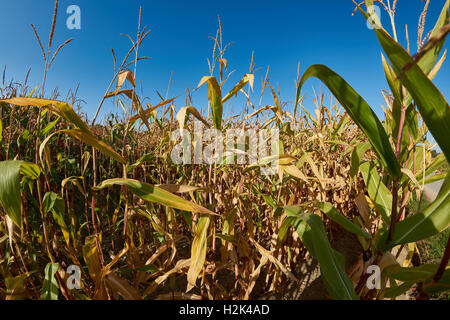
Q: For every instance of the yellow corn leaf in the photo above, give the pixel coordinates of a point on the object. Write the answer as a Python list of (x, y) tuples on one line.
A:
[(124, 75), (127, 92), (181, 116), (60, 108), (198, 251), (91, 257), (152, 193), (96, 143), (248, 78), (173, 188), (411, 249), (149, 111)]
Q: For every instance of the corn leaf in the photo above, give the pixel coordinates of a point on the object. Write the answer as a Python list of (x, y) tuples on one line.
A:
[(357, 155), (432, 287), (91, 257), (396, 291), (149, 111), (50, 288), (415, 274), (429, 222), (332, 263), (248, 78), (181, 116), (340, 219), (431, 103), (284, 228), (89, 139), (378, 192), (55, 204), (198, 251), (152, 193), (10, 190), (60, 108), (359, 111), (125, 75), (215, 99)]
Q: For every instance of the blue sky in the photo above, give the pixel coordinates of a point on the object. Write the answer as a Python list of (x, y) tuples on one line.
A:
[(280, 33)]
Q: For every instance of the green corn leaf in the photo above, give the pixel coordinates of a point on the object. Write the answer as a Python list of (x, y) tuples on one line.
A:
[(30, 170), (434, 178), (394, 292), (49, 127), (359, 111), (215, 99), (284, 228), (357, 155), (428, 60), (10, 190), (332, 263), (304, 232), (378, 192), (429, 222), (50, 288), (392, 80), (431, 103), (433, 166), (55, 204), (10, 172), (340, 219), (416, 274), (432, 287)]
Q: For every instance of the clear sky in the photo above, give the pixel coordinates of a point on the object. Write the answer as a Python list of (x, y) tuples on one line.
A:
[(280, 33)]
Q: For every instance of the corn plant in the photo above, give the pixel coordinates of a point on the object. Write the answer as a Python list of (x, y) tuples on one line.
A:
[(397, 144)]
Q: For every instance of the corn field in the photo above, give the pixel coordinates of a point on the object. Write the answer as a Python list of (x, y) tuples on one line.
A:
[(92, 210)]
